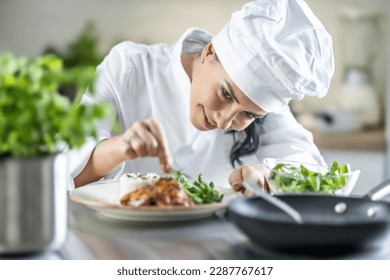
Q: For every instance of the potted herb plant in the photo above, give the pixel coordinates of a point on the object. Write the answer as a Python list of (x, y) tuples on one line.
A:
[(37, 124)]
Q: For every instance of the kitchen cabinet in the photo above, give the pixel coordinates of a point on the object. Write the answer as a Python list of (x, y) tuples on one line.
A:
[(364, 140)]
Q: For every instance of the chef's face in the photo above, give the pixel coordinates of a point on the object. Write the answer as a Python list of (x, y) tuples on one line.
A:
[(216, 101)]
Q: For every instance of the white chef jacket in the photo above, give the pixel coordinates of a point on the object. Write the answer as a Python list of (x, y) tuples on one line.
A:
[(143, 81)]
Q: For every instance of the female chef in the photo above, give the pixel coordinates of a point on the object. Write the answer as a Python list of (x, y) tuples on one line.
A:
[(215, 105)]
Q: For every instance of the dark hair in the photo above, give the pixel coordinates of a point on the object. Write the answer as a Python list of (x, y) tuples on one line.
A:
[(249, 144)]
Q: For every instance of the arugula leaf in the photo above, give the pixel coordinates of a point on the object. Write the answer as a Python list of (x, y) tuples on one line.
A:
[(199, 191), (295, 179)]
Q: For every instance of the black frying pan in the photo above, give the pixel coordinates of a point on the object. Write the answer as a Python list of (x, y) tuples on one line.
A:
[(330, 223)]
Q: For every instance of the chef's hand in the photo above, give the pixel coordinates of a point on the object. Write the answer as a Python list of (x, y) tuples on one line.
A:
[(146, 138), (254, 174)]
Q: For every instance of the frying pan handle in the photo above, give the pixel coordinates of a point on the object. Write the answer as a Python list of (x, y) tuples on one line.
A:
[(380, 191)]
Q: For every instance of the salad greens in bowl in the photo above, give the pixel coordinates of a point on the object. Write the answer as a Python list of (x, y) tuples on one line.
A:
[(285, 176)]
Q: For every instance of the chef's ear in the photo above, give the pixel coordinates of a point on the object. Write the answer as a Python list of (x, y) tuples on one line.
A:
[(208, 53)]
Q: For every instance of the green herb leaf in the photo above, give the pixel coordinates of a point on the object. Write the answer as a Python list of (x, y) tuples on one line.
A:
[(35, 119), (289, 178), (200, 191)]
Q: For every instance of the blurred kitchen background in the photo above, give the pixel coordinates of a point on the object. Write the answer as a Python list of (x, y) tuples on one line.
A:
[(349, 124)]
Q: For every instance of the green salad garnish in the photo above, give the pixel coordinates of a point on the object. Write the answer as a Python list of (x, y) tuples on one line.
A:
[(295, 179), (200, 191)]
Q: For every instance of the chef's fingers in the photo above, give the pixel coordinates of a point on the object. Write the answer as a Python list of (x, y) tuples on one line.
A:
[(244, 173), (163, 153), (127, 151), (235, 180), (133, 145), (262, 177), (147, 138), (139, 142), (138, 146), (148, 144)]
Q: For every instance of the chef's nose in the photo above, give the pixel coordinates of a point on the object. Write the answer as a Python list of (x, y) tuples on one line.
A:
[(224, 119)]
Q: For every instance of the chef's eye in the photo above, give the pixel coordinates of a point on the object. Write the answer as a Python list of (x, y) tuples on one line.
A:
[(226, 94), (251, 116)]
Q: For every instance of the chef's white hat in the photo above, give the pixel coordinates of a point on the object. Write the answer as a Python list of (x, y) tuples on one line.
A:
[(275, 51)]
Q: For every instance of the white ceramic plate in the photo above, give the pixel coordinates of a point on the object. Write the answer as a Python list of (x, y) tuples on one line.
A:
[(104, 198)]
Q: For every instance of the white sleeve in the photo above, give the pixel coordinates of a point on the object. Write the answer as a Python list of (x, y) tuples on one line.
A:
[(283, 137), (112, 78)]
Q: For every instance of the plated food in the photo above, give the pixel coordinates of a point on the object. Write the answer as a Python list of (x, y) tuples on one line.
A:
[(104, 198), (173, 190), (132, 181), (162, 192)]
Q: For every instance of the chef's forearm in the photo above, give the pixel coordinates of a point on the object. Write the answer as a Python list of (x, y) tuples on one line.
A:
[(106, 156)]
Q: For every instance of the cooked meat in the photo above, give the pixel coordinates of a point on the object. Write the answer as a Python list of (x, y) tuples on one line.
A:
[(164, 192), (140, 197)]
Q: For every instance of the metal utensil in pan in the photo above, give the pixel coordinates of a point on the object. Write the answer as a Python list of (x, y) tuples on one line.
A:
[(361, 221), (294, 214)]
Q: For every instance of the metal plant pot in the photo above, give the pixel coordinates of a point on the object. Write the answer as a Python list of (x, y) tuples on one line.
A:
[(33, 204)]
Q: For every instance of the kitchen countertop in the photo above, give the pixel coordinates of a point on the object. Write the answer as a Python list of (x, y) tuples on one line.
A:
[(367, 140), (92, 237)]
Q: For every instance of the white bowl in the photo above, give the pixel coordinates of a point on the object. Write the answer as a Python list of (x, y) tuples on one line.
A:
[(269, 163)]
